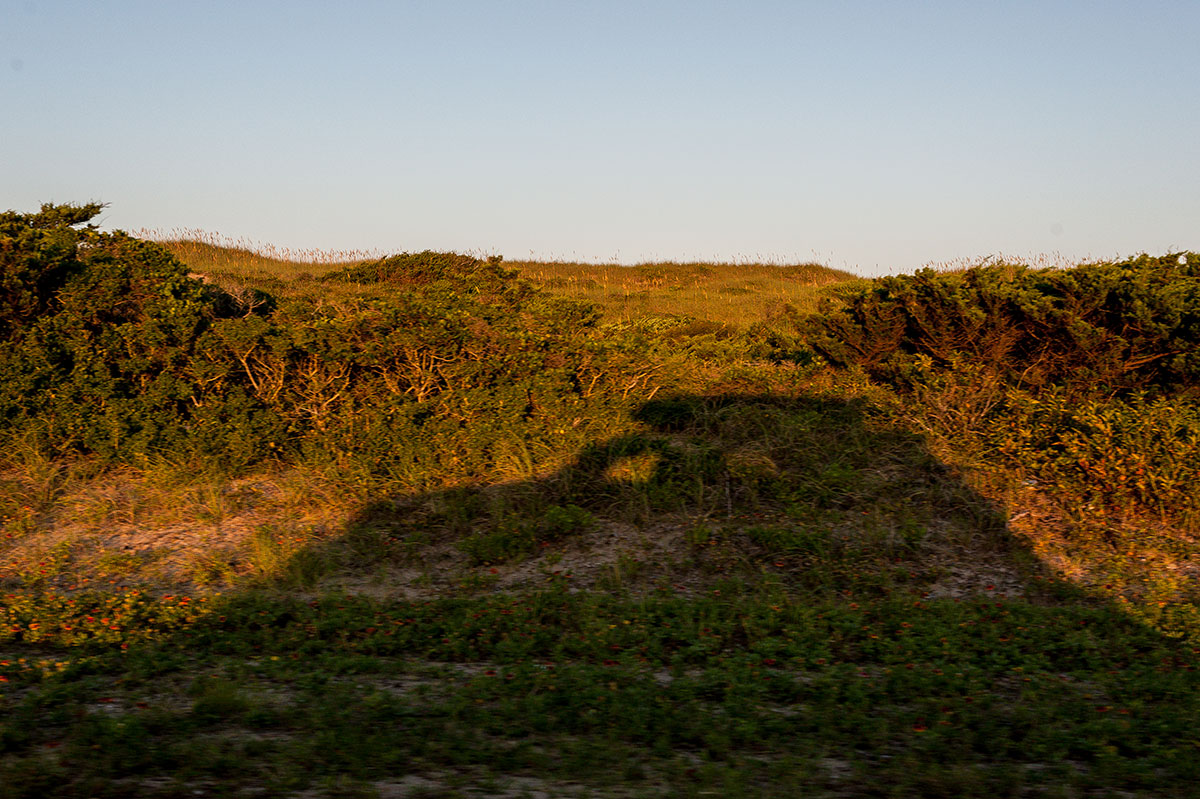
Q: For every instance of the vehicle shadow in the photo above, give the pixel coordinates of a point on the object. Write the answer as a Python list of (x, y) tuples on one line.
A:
[(808, 491), (770, 525)]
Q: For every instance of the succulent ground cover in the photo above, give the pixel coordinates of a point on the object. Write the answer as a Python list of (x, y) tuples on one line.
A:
[(427, 525)]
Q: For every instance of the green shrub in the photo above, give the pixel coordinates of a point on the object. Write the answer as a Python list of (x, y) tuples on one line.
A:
[(1114, 454), (1084, 380), (419, 369), (1098, 327), (100, 333), (37, 257), (428, 267)]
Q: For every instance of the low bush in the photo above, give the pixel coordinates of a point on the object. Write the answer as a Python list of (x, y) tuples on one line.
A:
[(419, 368), (1101, 328), (1083, 380), (1111, 454), (101, 334)]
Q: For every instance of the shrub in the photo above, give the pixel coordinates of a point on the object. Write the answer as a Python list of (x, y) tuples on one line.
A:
[(1115, 454), (100, 333), (428, 268), (1084, 379), (415, 367), (37, 256), (1111, 327)]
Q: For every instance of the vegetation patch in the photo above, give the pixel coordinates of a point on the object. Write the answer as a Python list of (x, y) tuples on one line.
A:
[(436, 525)]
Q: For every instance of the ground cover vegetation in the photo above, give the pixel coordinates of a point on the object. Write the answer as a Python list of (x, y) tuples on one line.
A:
[(437, 525)]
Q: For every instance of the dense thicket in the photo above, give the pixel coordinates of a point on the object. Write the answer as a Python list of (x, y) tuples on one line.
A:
[(110, 347), (1082, 379), (101, 335), (1111, 327), (430, 368)]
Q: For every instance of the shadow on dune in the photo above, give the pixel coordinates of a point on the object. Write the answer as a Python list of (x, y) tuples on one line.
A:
[(821, 584), (808, 489)]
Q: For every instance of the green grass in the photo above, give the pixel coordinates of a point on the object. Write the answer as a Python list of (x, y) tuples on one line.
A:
[(719, 568), (746, 691)]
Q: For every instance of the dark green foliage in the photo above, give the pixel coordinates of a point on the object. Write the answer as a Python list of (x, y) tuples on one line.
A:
[(37, 256), (100, 331), (1085, 380), (672, 414), (409, 270), (1104, 327), (111, 348), (940, 697), (515, 538)]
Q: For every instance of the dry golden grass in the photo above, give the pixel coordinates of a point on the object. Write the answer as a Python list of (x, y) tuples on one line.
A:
[(1053, 260), (162, 527), (207, 253), (727, 293)]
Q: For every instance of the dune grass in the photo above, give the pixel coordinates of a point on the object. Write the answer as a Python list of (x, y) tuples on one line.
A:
[(727, 293), (734, 294), (706, 567)]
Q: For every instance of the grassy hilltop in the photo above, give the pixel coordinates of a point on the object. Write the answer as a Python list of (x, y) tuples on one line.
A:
[(280, 524)]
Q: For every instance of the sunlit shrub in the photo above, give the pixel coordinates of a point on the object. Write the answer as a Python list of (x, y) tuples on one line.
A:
[(1100, 327), (1140, 452), (417, 368), (1083, 379)]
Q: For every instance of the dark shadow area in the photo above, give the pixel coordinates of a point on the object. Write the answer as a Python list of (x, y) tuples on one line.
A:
[(790, 639), (820, 493), (739, 594)]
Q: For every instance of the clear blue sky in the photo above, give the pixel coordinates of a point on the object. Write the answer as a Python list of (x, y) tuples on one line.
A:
[(876, 136)]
